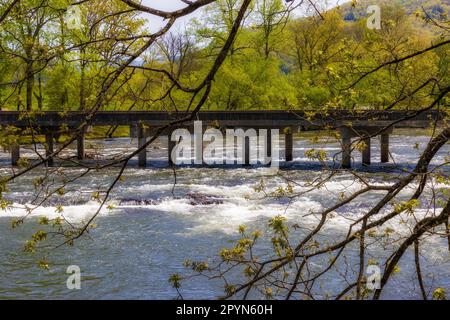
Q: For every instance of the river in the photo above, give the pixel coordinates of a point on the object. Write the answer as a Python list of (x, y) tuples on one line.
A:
[(136, 247)]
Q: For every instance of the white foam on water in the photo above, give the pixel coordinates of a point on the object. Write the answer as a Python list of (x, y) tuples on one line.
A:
[(72, 213), (235, 210)]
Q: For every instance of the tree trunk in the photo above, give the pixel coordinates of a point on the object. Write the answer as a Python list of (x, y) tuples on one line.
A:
[(29, 83), (82, 105), (266, 49), (19, 98), (40, 97)]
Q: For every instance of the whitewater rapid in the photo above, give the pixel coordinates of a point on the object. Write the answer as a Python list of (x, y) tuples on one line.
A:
[(136, 247)]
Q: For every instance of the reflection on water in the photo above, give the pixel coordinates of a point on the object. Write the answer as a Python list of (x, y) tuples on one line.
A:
[(137, 246)]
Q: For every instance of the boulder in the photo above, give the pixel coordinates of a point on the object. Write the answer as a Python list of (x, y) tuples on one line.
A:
[(196, 199)]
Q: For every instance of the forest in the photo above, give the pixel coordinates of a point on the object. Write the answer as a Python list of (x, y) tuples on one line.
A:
[(280, 60)]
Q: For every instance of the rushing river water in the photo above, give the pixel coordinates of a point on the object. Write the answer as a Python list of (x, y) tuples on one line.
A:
[(136, 247)]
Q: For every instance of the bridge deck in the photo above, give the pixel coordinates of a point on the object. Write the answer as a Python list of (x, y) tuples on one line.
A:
[(277, 119)]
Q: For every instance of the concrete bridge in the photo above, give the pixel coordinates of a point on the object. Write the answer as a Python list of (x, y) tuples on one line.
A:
[(362, 124)]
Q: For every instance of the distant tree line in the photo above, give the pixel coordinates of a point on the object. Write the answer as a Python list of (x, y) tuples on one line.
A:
[(278, 61)]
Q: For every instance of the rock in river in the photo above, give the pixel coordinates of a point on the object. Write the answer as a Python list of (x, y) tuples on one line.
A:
[(196, 199)]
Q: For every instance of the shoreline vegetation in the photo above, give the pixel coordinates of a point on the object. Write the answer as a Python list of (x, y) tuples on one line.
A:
[(278, 60)]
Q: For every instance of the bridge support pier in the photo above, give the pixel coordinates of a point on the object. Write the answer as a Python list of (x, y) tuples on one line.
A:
[(384, 147), (142, 156), (266, 155), (15, 154), (142, 134), (198, 131), (366, 152), (346, 150), (49, 141), (289, 145), (247, 151), (81, 153), (170, 147)]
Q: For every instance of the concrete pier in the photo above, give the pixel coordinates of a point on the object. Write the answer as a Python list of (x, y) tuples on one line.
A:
[(142, 132), (81, 152), (170, 147), (289, 145), (15, 154), (346, 151), (246, 151), (384, 147), (49, 141), (142, 156), (366, 154), (81, 142)]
